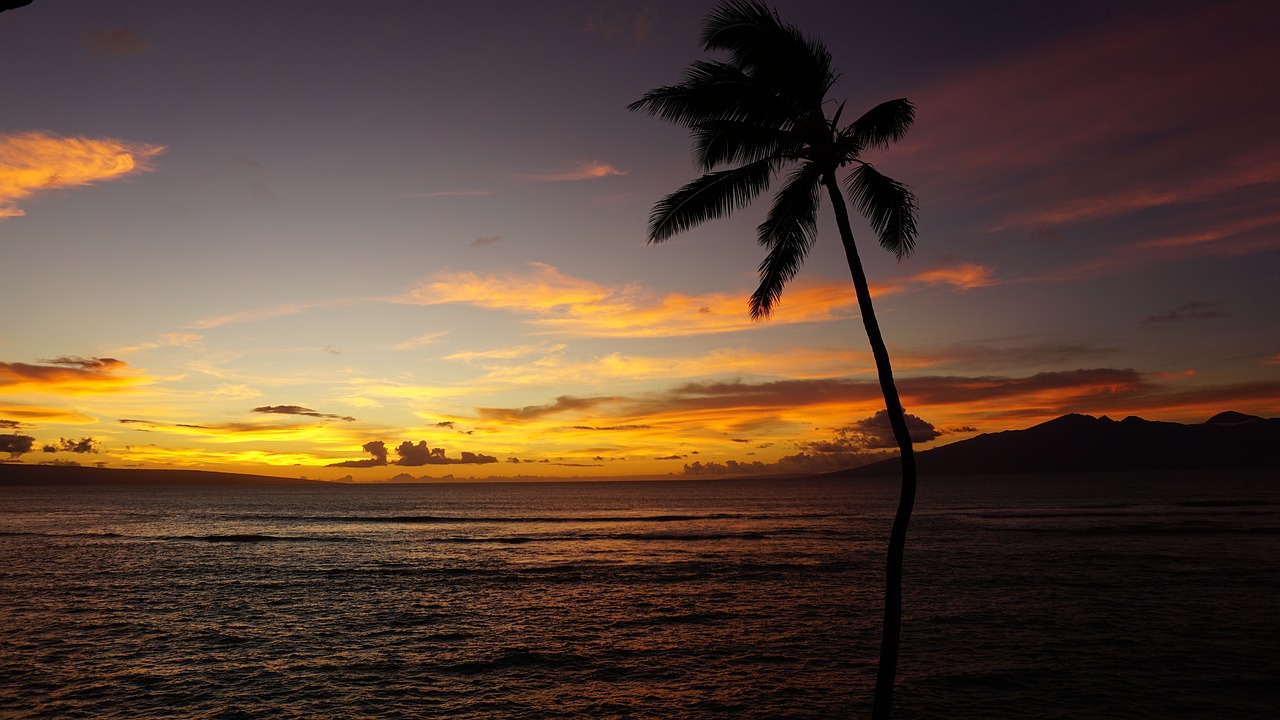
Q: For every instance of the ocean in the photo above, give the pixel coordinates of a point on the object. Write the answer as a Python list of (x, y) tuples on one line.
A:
[(1093, 596)]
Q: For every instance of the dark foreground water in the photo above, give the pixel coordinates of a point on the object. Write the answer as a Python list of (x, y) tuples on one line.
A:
[(1048, 597)]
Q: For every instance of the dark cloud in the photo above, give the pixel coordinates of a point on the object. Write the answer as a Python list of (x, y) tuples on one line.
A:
[(529, 412), (67, 371), (489, 240), (445, 424), (670, 457), (1059, 392), (874, 433), (697, 467), (415, 455), (10, 424), (83, 445), (16, 445), (92, 363), (1194, 310), (412, 455), (1009, 353), (1078, 385), (791, 464), (299, 410), (376, 448)]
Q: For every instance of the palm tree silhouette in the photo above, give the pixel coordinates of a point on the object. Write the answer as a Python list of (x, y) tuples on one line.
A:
[(763, 112)]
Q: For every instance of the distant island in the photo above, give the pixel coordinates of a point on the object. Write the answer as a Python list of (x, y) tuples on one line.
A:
[(1068, 444), (1083, 443), (23, 474)]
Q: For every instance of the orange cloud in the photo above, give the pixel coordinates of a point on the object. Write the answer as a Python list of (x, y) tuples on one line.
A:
[(960, 276), (69, 376), (40, 414), (552, 369), (588, 170), (32, 162), (563, 304)]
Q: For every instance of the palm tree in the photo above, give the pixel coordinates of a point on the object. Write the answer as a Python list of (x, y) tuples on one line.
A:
[(763, 112)]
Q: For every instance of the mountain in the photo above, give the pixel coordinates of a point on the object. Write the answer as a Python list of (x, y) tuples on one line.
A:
[(1083, 443), (22, 474)]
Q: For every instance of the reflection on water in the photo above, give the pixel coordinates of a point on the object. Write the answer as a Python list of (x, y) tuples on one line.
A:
[(1059, 597)]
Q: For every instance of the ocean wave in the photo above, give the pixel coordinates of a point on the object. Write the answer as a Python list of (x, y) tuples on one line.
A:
[(540, 519), (252, 538)]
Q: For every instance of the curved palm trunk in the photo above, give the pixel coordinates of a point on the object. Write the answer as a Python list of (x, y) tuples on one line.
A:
[(889, 639)]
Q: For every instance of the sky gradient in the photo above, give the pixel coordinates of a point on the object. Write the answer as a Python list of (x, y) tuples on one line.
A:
[(408, 239)]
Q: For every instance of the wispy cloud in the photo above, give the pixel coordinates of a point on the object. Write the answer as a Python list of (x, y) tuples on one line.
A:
[(420, 341), (1002, 354), (183, 340), (34, 162), (41, 414), (299, 410), (550, 367), (1227, 237), (1093, 127), (586, 170), (954, 276), (451, 193), (1194, 310), (560, 303), (119, 41)]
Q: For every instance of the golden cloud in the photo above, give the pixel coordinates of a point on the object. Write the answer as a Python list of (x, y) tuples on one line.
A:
[(32, 162), (69, 376), (553, 369), (41, 414), (574, 306)]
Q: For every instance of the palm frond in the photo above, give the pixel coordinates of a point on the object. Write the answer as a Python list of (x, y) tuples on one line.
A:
[(883, 124), (713, 91), (794, 65), (712, 196), (720, 142), (888, 205), (789, 232)]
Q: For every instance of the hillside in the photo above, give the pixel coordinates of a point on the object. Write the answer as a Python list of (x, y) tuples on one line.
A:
[(22, 474), (1083, 443)]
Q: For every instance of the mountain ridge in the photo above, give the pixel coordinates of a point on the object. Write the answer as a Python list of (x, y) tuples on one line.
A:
[(1083, 443)]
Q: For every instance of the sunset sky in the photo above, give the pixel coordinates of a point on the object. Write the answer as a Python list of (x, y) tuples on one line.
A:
[(332, 239)]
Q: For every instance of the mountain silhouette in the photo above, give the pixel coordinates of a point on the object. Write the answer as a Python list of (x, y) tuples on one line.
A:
[(23, 474), (1083, 443)]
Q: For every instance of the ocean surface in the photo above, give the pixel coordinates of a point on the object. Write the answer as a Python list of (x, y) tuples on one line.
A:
[(1122, 596)]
